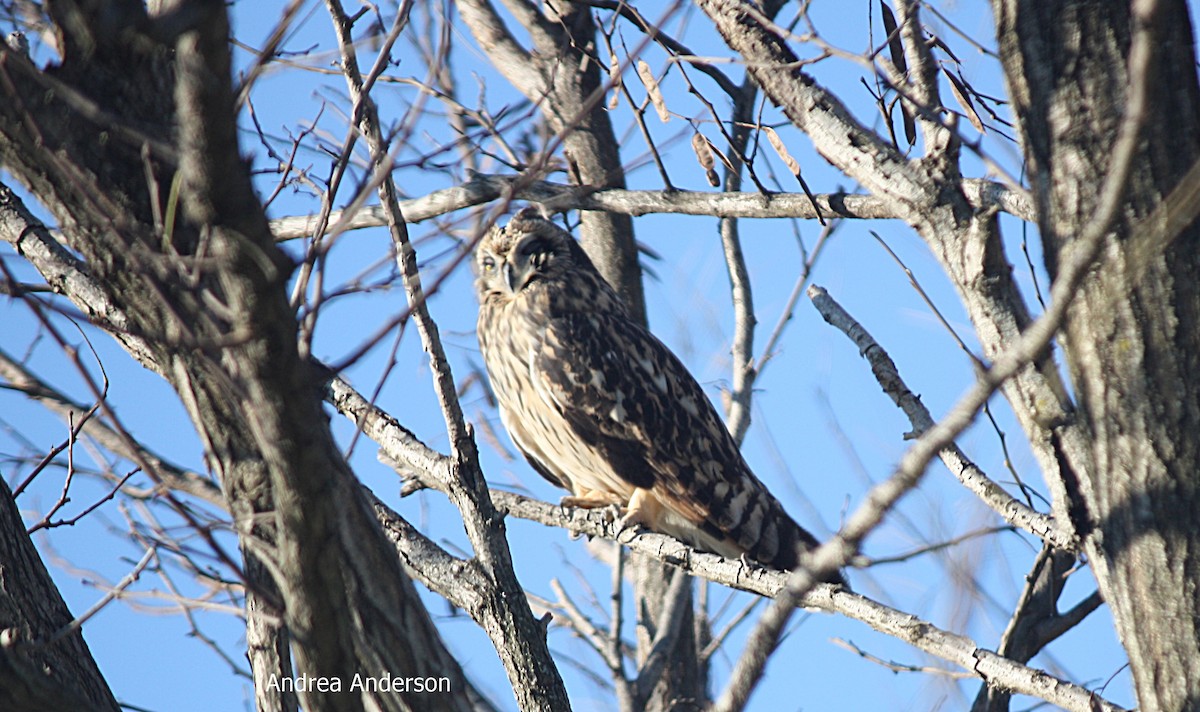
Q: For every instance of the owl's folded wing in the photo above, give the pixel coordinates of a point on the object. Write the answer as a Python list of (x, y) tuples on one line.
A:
[(629, 397)]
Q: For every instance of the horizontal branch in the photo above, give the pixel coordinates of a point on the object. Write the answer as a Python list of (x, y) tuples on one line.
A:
[(401, 446), (994, 669), (560, 198), (406, 448)]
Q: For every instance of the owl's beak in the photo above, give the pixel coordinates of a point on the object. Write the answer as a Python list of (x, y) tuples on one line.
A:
[(512, 279), (517, 274)]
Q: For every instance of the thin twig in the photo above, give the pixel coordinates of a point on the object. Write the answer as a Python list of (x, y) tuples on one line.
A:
[(75, 625), (530, 668), (899, 667)]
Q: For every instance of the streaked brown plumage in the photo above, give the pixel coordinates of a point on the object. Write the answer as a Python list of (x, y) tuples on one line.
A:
[(602, 408)]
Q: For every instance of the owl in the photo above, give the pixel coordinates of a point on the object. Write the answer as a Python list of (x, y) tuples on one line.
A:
[(600, 407)]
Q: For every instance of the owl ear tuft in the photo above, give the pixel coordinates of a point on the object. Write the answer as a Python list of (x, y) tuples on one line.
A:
[(530, 212)]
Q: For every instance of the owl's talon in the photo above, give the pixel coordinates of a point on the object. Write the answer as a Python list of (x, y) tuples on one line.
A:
[(629, 522), (591, 499), (629, 525), (611, 513), (632, 519), (606, 503), (642, 512)]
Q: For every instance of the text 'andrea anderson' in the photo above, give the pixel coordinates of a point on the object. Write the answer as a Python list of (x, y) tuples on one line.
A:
[(360, 683)]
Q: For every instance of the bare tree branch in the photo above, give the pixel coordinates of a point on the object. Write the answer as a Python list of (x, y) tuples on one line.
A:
[(1009, 508), (1130, 331), (168, 474), (163, 243), (564, 80), (1035, 621), (960, 650), (835, 553), (965, 241), (557, 197), (234, 361), (518, 639), (401, 447)]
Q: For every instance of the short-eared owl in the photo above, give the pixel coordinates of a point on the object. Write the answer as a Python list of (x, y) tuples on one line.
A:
[(602, 408)]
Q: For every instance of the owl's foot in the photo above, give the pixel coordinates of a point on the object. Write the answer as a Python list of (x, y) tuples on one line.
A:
[(594, 499), (591, 499), (643, 510)]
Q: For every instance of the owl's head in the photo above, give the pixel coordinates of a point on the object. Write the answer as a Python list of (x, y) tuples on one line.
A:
[(529, 250)]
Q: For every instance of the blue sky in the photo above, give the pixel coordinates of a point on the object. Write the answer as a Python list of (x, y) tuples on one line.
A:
[(822, 428)]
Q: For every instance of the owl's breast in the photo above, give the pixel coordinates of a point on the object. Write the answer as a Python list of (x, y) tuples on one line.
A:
[(510, 342)]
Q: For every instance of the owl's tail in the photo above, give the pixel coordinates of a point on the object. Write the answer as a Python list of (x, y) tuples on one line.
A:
[(753, 524), (783, 544)]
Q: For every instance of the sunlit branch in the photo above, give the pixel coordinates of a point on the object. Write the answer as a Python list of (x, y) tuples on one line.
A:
[(420, 462), (560, 197)]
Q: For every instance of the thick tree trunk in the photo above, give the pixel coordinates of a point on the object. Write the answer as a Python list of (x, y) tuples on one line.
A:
[(1133, 337), (37, 672), (136, 102)]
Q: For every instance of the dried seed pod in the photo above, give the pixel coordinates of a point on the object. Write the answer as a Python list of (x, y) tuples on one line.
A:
[(656, 97), (614, 75), (704, 154), (793, 166), (777, 144), (896, 50), (959, 89), (895, 45), (720, 154)]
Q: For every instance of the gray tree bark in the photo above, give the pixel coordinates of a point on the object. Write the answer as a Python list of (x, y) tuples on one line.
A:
[(37, 671), (1133, 336), (201, 301), (930, 194)]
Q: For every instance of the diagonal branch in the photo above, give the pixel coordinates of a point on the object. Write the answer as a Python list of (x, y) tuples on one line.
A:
[(1026, 349), (214, 281), (966, 241), (519, 640), (884, 369), (167, 474)]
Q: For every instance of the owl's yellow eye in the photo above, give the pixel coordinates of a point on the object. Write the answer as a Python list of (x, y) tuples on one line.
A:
[(488, 264)]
